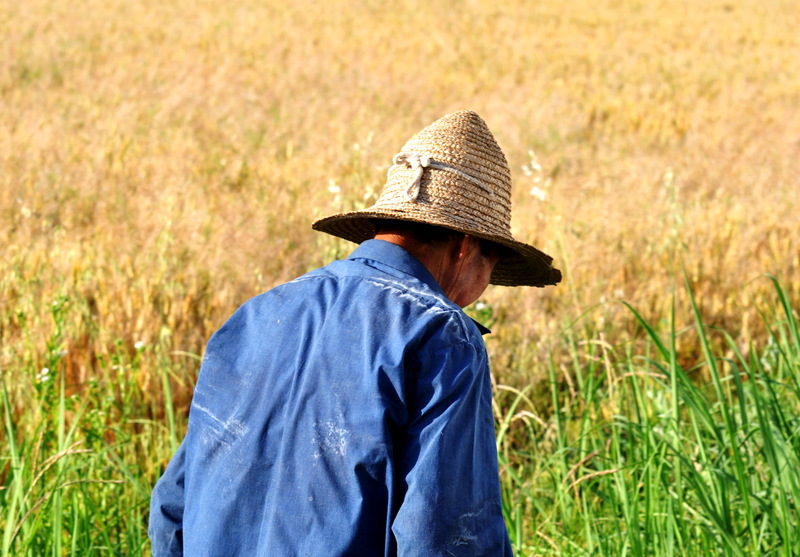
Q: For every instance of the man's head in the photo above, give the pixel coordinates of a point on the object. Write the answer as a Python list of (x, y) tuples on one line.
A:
[(461, 264), (453, 175)]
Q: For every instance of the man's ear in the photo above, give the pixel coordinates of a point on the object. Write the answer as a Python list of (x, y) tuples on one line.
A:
[(465, 245)]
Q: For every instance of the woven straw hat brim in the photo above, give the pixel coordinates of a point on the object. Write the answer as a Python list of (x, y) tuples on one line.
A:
[(524, 266)]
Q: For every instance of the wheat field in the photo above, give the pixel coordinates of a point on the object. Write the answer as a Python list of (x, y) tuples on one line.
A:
[(161, 162)]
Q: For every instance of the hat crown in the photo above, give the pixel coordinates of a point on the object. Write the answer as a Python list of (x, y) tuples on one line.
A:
[(464, 181)]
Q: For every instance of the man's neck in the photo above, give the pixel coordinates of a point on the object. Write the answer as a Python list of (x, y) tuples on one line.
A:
[(441, 259)]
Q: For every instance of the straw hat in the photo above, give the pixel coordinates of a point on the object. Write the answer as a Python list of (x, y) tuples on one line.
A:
[(452, 174)]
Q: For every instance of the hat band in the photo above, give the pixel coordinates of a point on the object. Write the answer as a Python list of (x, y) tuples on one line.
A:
[(418, 163)]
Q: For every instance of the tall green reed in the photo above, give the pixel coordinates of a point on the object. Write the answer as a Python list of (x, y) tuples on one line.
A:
[(642, 456)]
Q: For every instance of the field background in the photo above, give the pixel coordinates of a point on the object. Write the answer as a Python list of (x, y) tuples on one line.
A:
[(161, 162)]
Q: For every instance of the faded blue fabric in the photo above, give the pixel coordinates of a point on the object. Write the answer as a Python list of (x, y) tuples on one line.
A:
[(347, 412)]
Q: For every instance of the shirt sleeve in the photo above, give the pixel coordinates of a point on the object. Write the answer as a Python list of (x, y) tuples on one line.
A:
[(447, 463), (166, 509)]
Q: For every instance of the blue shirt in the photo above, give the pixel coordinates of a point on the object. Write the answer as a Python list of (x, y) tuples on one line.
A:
[(347, 412)]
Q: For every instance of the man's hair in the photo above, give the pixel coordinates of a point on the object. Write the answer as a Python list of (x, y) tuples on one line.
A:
[(421, 232), (429, 234)]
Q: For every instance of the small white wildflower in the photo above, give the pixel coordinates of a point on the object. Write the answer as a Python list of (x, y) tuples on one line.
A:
[(26, 212), (333, 188), (138, 345), (480, 306), (538, 193), (534, 161), (43, 375)]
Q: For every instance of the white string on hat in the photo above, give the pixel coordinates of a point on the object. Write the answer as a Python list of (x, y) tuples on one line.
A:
[(419, 162)]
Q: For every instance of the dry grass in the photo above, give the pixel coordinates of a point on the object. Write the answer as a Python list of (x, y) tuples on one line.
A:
[(161, 161)]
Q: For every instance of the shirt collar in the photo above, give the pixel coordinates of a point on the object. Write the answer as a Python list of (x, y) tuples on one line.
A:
[(397, 258), (394, 256)]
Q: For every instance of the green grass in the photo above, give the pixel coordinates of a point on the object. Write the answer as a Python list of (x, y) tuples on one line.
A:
[(77, 469), (631, 455), (644, 457)]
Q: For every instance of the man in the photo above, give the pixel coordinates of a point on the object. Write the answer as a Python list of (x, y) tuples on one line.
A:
[(348, 412)]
